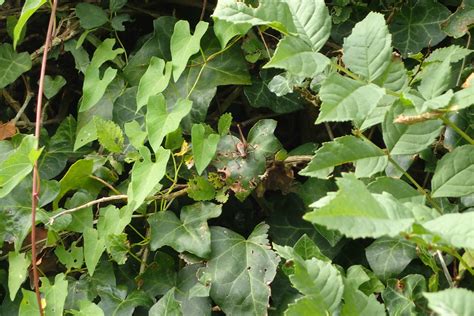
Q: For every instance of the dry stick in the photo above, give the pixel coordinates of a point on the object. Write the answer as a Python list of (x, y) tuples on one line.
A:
[(203, 12), (35, 190)]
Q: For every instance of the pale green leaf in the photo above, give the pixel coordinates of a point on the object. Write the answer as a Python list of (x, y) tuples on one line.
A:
[(91, 16), (189, 233), (17, 271), (200, 189), (340, 151), (28, 9), (184, 45), (204, 147), (74, 258), (367, 167), (94, 246), (146, 175), (109, 135), (242, 288), (154, 80), (306, 306), (454, 174), (87, 308), (388, 257), (436, 79), (462, 99), (400, 189), (453, 53), (12, 64), (438, 102), (357, 213), (160, 121), (455, 229), (225, 121), (405, 296), (166, 306), (135, 134), (368, 50), (225, 31), (52, 85), (345, 99), (451, 302), (29, 304), (18, 165), (54, 294), (394, 77)]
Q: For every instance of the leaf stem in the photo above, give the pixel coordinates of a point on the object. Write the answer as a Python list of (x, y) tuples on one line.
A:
[(455, 128)]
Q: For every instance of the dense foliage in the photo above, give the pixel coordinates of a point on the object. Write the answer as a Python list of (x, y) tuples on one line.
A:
[(282, 157)]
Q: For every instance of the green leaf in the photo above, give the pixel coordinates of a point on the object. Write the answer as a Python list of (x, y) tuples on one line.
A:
[(160, 122), (200, 189), (187, 280), (453, 176), (368, 50), (243, 288), (417, 25), (28, 9), (146, 175), (436, 79), (55, 294), (135, 134), (404, 139), (458, 23), (115, 5), (394, 77), (118, 21), (12, 64), (72, 259), (94, 86), (116, 301), (183, 45), (357, 213), (223, 126), (455, 229), (451, 302), (261, 139), (167, 305), (345, 99), (94, 246), (340, 151), (225, 31), (17, 271), (154, 80), (188, 233), (405, 296), (306, 306), (29, 304), (400, 190), (109, 135), (453, 53), (78, 176), (388, 257), (91, 16), (18, 165), (160, 275), (52, 85), (87, 308), (204, 147)]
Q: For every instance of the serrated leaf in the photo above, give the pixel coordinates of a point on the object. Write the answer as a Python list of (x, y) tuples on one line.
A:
[(388, 257), (417, 25), (357, 213), (183, 45), (405, 139), (18, 165), (189, 233), (17, 271), (28, 9), (167, 305), (451, 302), (337, 152), (400, 189), (453, 53), (204, 147), (368, 49), (436, 79), (12, 64), (54, 294), (94, 246), (345, 99), (146, 175), (458, 23), (405, 296), (154, 80), (109, 135), (454, 174), (394, 77), (243, 288), (52, 85), (91, 16), (160, 121), (455, 229), (306, 306)]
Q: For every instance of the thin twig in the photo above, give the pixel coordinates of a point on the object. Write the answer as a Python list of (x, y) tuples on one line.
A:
[(458, 81), (203, 11), (445, 268), (36, 180)]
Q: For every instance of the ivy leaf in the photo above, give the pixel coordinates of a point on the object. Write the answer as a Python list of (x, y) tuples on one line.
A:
[(189, 233), (388, 257), (368, 49), (28, 9), (184, 45), (200, 189), (29, 304), (87, 308), (243, 289), (453, 176), (455, 229), (458, 23), (345, 99), (12, 64), (404, 139), (340, 151), (160, 122), (262, 140), (417, 25), (55, 294), (204, 148), (109, 135), (160, 275), (166, 305), (94, 86), (187, 281), (451, 302), (52, 85), (74, 258), (94, 246), (405, 296), (17, 271), (357, 213), (154, 80), (18, 165), (146, 175), (91, 16), (116, 300)]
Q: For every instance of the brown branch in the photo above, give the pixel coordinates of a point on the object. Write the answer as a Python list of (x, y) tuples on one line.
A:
[(36, 180)]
